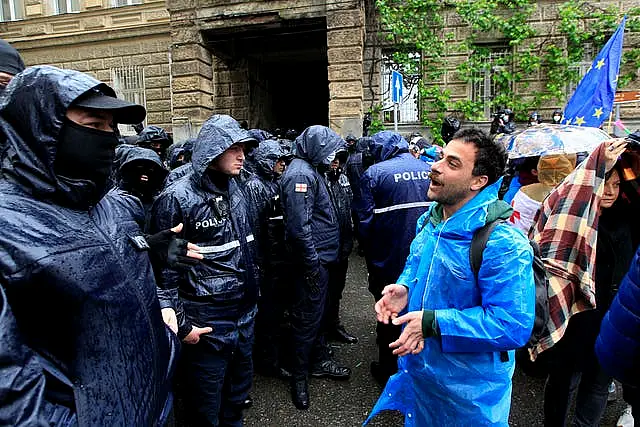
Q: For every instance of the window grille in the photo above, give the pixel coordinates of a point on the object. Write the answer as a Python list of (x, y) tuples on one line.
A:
[(408, 110), (484, 87), (66, 6), (11, 10), (580, 68), (120, 3), (128, 82)]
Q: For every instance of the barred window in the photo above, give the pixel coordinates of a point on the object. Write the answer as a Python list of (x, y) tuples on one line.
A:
[(484, 87), (65, 6), (120, 3), (128, 82), (581, 68), (11, 10), (408, 110)]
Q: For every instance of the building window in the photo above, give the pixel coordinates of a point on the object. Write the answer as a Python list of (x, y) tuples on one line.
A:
[(120, 3), (11, 10), (484, 86), (65, 6), (580, 68), (408, 110), (128, 82)]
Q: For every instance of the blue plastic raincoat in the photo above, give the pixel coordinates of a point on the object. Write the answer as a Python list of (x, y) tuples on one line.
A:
[(460, 378)]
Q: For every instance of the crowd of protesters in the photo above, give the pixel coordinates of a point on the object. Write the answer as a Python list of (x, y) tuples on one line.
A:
[(135, 270)]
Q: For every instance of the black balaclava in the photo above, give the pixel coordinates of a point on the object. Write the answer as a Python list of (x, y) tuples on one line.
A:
[(142, 179), (85, 153)]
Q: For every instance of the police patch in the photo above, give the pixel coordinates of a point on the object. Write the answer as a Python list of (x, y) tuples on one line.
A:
[(301, 188)]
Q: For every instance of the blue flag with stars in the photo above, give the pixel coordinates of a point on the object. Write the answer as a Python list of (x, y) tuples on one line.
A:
[(592, 101)]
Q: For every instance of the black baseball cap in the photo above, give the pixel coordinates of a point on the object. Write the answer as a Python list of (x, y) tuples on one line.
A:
[(123, 111)]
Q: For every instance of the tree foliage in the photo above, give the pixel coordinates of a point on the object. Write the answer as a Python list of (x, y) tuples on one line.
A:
[(537, 63)]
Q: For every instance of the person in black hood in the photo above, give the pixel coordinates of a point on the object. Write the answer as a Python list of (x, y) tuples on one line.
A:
[(81, 291), (10, 64), (313, 236), (214, 301), (264, 201), (154, 138)]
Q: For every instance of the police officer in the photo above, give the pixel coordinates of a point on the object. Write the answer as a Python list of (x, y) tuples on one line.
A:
[(214, 301), (394, 195), (313, 236)]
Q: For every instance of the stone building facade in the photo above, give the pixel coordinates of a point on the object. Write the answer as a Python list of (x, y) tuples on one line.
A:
[(273, 63)]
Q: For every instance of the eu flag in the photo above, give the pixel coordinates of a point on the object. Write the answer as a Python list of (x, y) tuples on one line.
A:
[(592, 101)]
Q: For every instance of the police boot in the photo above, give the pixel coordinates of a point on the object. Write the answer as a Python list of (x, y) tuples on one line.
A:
[(330, 369)]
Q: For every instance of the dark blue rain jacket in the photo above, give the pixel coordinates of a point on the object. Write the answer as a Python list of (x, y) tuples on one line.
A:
[(311, 224), (263, 197), (83, 296), (224, 285), (394, 195), (618, 345), (177, 173)]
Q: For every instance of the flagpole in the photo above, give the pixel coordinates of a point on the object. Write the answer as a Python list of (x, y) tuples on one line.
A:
[(609, 124)]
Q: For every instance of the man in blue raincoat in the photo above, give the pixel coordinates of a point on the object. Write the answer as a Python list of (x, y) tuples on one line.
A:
[(459, 333), (393, 197)]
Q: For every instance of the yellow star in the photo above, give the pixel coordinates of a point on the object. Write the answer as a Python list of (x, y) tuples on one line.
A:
[(567, 121), (598, 113), (600, 64), (579, 121)]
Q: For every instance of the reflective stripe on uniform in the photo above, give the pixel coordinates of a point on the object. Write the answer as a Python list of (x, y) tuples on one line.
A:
[(402, 206), (225, 247)]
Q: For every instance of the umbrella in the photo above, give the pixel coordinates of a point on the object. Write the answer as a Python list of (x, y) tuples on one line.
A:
[(546, 139)]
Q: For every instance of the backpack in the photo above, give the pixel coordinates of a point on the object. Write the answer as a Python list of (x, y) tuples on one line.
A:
[(540, 277)]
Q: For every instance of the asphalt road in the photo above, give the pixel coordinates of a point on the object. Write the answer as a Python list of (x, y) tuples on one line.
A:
[(349, 403)]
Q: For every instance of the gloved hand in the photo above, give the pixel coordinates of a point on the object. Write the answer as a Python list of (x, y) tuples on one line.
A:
[(166, 249)]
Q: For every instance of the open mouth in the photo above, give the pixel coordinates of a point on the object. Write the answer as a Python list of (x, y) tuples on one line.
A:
[(144, 178)]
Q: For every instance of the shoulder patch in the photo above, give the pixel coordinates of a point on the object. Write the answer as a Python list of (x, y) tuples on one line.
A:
[(301, 187)]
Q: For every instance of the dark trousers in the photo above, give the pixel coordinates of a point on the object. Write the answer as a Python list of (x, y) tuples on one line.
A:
[(574, 370), (306, 319), (631, 395), (216, 375), (337, 281), (385, 334), (270, 333)]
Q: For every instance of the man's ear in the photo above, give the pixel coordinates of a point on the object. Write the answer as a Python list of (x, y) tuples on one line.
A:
[(479, 182)]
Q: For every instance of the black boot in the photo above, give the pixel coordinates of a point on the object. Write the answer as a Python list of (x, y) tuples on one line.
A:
[(300, 393), (330, 369)]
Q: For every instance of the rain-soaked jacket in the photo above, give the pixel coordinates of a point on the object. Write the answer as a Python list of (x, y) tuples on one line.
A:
[(461, 378), (83, 295), (177, 173), (311, 225), (394, 195), (224, 285), (264, 200), (342, 196)]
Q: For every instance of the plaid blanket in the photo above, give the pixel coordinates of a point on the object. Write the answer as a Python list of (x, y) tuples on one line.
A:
[(565, 228)]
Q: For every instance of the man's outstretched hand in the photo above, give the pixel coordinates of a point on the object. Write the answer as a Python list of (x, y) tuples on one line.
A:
[(411, 340), (394, 300), (166, 249)]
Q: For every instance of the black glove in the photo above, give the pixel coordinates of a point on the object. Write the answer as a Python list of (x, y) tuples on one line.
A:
[(165, 249)]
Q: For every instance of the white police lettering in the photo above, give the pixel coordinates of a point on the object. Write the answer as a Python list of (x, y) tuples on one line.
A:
[(411, 176), (209, 222)]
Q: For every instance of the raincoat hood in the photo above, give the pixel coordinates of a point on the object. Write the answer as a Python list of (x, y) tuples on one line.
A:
[(363, 144), (32, 111), (138, 154), (218, 133), (266, 156), (387, 144), (316, 143)]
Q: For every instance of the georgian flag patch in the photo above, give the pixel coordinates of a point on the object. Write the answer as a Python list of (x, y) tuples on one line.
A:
[(301, 188)]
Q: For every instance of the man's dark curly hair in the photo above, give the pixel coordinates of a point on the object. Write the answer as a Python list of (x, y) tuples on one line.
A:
[(491, 158)]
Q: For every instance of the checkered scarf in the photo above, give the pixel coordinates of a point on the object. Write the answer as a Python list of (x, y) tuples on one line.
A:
[(565, 228)]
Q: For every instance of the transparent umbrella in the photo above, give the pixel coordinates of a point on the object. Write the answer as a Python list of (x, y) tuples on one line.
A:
[(545, 139)]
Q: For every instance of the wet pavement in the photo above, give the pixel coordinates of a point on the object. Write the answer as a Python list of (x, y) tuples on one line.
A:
[(336, 403)]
